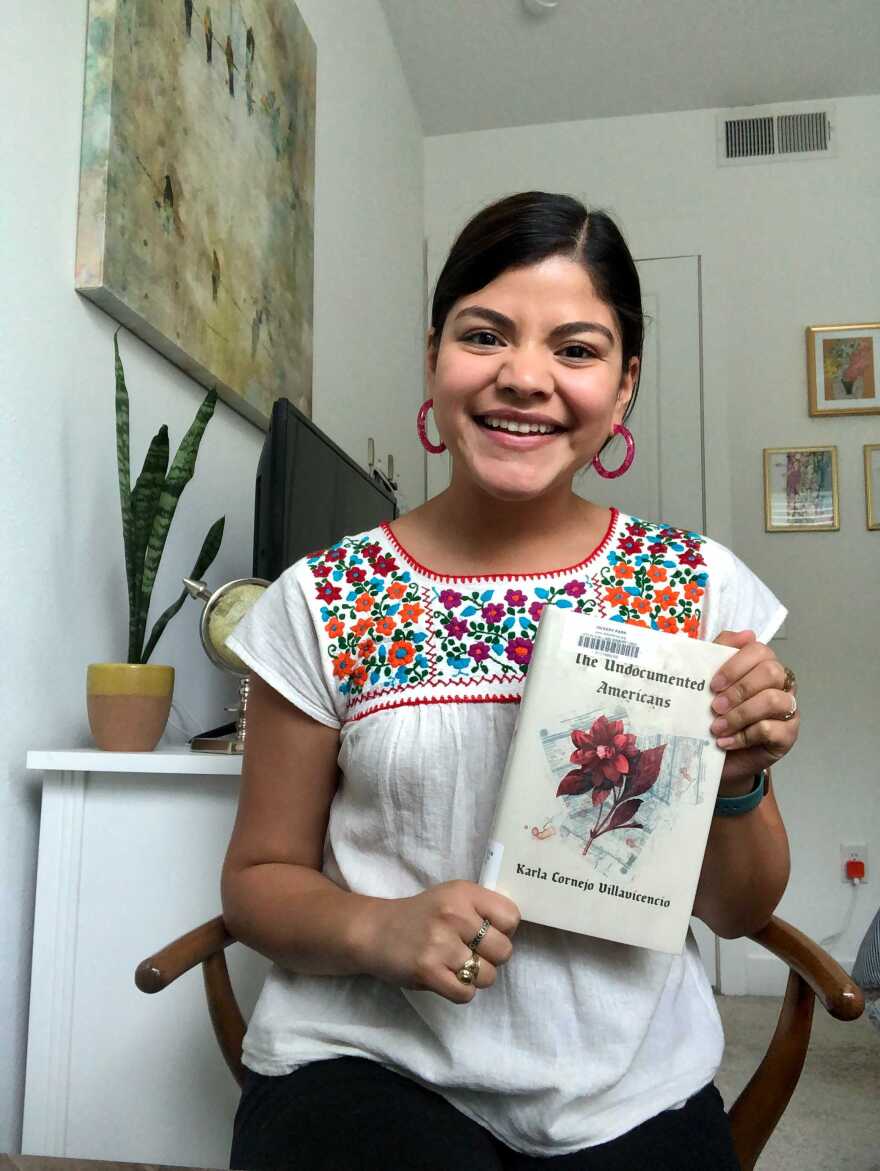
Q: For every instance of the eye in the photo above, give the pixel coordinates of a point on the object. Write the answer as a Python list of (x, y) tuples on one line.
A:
[(481, 337), (578, 351)]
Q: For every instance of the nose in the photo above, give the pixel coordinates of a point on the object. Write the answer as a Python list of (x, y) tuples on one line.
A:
[(524, 373)]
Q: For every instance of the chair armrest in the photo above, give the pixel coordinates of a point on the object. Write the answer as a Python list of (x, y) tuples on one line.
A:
[(841, 997), (159, 970)]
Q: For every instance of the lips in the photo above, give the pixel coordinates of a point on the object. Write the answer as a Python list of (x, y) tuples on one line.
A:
[(519, 424)]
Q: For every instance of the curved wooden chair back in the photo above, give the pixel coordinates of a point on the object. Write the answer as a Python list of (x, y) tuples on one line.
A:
[(753, 1116)]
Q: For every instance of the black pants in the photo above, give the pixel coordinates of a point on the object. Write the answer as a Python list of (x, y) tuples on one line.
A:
[(349, 1114)]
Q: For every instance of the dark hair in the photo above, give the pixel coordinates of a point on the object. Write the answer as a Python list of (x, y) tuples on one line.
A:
[(529, 227)]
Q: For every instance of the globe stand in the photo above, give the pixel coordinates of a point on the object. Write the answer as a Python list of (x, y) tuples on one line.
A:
[(224, 609)]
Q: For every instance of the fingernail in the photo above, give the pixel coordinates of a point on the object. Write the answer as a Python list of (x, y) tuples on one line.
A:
[(719, 683), (718, 727), (721, 704), (726, 742)]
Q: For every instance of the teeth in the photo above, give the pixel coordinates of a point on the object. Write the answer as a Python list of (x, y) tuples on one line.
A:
[(518, 428)]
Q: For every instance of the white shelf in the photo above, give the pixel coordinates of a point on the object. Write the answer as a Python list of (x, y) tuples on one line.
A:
[(163, 760)]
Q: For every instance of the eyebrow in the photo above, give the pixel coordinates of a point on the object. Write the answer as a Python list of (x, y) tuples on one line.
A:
[(561, 331)]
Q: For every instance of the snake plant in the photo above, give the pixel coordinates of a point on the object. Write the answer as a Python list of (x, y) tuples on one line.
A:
[(147, 512)]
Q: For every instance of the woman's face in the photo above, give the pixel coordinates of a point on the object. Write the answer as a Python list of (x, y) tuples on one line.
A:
[(538, 349)]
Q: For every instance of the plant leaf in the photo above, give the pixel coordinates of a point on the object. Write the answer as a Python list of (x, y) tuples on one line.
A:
[(210, 549), (144, 499), (573, 783), (179, 475), (646, 771), (124, 475), (624, 811)]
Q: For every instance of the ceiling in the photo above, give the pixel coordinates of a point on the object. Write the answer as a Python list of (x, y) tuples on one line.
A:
[(484, 64)]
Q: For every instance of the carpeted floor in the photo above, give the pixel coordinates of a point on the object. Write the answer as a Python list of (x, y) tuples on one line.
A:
[(833, 1120)]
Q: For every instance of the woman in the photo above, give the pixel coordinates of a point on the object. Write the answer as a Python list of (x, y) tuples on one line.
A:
[(387, 675)]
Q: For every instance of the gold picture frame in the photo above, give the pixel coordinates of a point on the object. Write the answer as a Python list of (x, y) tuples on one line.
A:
[(872, 484), (800, 490), (843, 369)]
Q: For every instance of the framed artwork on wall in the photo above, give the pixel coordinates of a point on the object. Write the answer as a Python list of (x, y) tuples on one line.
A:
[(872, 484), (843, 369), (800, 489), (196, 201)]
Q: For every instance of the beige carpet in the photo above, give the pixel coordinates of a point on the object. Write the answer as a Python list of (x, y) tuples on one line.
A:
[(833, 1120)]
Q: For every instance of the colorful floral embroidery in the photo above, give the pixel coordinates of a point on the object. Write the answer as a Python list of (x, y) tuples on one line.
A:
[(655, 576), (390, 627)]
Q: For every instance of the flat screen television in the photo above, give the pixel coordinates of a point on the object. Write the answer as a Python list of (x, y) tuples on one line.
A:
[(309, 493)]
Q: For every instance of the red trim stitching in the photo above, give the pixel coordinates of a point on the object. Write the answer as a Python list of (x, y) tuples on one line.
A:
[(411, 561), (382, 707)]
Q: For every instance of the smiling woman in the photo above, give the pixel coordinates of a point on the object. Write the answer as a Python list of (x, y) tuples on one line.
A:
[(388, 673)]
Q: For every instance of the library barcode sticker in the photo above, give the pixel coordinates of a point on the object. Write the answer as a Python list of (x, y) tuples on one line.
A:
[(608, 646)]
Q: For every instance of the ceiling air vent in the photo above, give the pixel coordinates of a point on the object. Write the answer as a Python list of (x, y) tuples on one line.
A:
[(774, 134)]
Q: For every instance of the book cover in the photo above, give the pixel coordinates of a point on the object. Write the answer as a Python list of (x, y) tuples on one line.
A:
[(610, 782)]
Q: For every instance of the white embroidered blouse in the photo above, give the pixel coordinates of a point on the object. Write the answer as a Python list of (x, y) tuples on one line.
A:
[(580, 1039)]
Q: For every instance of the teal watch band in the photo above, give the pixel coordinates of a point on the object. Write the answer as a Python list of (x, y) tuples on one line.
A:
[(736, 806)]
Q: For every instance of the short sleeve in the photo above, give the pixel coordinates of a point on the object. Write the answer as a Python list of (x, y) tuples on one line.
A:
[(279, 640), (738, 599)]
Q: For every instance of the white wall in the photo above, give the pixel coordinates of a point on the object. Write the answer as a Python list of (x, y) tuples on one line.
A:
[(783, 246), (62, 579)]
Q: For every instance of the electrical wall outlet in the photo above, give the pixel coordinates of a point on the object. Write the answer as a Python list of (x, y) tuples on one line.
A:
[(853, 853)]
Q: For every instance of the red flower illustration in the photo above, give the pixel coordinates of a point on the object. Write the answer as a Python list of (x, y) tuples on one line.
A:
[(336, 554), (328, 592), (606, 747), (610, 765), (515, 598), (450, 599), (479, 651), (384, 565), (355, 574), (456, 628), (493, 612)]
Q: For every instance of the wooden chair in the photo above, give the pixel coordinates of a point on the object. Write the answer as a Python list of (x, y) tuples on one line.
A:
[(752, 1116)]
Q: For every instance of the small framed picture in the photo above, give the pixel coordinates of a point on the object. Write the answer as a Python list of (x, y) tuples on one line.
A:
[(800, 489), (872, 484), (843, 369)]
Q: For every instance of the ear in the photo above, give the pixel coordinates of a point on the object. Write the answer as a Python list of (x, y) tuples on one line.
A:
[(625, 392), (430, 358)]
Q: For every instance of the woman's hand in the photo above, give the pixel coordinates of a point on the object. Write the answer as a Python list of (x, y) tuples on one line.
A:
[(750, 709), (422, 941)]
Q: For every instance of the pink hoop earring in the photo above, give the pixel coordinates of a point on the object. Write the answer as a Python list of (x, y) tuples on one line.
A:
[(422, 428), (619, 429)]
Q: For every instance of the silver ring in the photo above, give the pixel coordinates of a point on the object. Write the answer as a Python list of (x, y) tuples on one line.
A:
[(480, 936), (469, 970), (794, 707)]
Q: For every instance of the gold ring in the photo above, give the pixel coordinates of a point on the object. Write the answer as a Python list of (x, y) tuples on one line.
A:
[(468, 972), (790, 682), (794, 708), (480, 936)]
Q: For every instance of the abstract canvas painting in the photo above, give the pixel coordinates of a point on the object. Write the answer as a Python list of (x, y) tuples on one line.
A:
[(196, 208)]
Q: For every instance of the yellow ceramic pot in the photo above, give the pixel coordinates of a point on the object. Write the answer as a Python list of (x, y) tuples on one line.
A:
[(128, 704)]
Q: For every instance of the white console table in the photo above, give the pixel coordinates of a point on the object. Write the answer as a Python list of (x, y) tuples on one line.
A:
[(131, 846)]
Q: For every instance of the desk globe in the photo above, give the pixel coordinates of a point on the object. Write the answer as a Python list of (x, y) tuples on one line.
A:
[(224, 609)]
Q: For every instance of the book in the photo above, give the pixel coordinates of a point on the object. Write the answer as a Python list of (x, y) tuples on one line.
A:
[(610, 781)]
